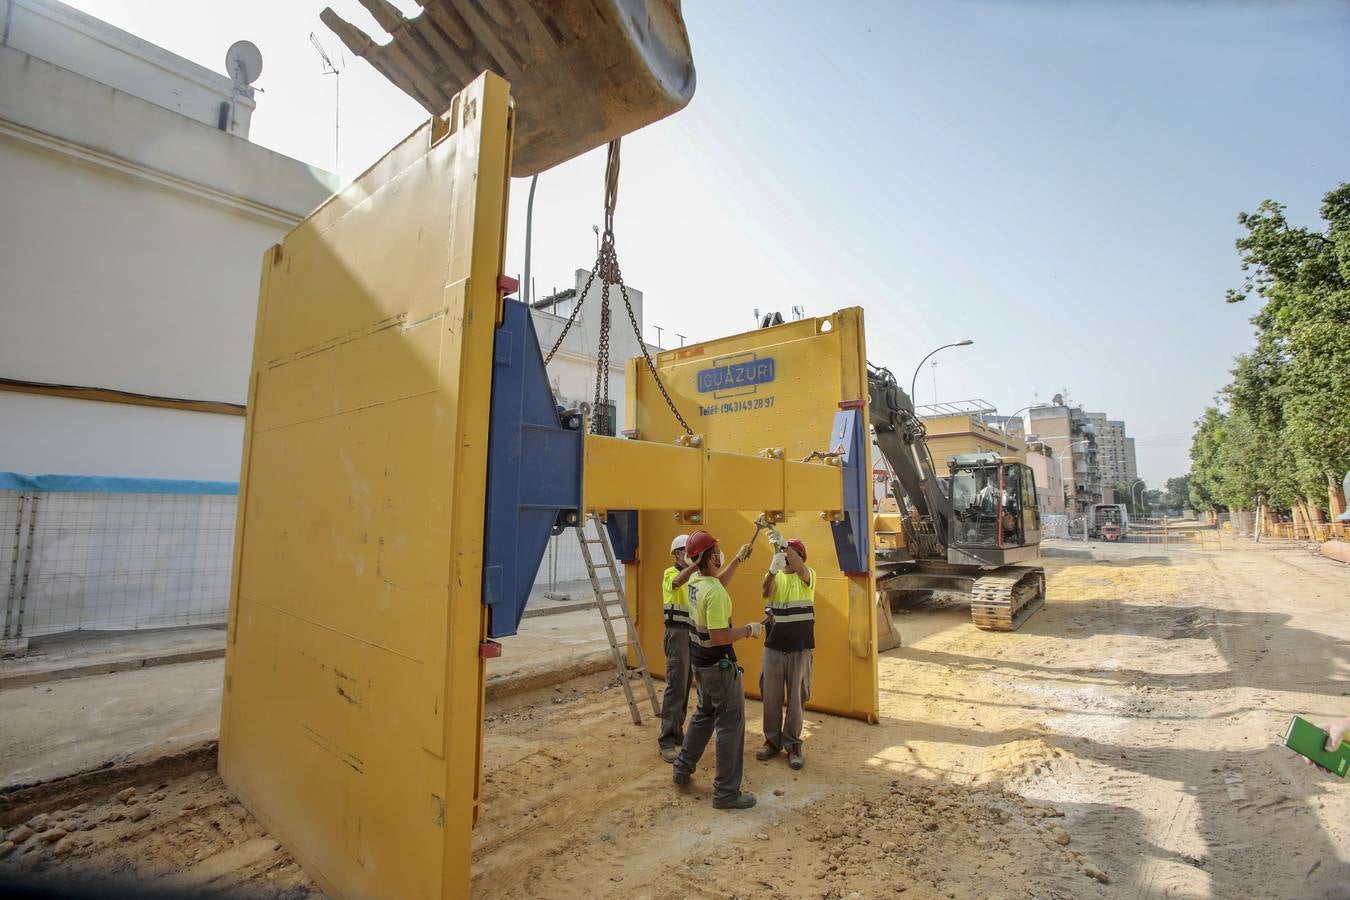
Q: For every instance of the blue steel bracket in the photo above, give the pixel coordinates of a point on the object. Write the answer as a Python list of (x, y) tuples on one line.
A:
[(622, 525), (847, 438), (534, 470)]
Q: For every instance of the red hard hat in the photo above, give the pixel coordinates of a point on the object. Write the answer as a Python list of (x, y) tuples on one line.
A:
[(799, 547), (699, 541)]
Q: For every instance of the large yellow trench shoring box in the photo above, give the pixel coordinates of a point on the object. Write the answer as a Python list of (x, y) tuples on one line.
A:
[(404, 464), (764, 391)]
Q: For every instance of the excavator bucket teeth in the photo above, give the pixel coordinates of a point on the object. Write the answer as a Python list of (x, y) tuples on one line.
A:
[(582, 72)]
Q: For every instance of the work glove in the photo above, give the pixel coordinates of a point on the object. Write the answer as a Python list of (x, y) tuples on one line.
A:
[(779, 563), (756, 629), (776, 539), (744, 552)]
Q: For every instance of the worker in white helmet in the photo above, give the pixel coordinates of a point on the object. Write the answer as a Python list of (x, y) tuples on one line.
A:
[(679, 670)]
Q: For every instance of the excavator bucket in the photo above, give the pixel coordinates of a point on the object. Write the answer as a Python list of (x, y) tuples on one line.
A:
[(582, 72)]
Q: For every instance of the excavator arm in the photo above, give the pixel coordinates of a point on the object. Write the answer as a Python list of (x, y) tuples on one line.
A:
[(901, 438)]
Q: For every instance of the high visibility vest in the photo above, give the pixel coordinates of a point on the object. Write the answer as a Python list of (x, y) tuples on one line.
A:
[(709, 608), (793, 600), (793, 603), (676, 599)]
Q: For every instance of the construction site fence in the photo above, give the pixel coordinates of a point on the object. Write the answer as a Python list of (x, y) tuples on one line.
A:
[(113, 554), (120, 554)]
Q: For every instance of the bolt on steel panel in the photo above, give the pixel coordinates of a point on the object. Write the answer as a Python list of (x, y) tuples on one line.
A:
[(352, 716)]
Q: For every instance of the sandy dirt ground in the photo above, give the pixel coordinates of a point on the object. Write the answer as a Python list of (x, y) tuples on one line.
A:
[(1124, 743)]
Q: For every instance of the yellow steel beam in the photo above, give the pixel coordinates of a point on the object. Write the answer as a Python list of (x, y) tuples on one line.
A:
[(644, 475)]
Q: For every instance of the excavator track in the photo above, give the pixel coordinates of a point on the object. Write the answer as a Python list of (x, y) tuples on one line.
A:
[(1001, 600)]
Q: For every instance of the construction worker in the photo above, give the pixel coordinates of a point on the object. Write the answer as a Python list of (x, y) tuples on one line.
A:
[(790, 588), (679, 671), (721, 691)]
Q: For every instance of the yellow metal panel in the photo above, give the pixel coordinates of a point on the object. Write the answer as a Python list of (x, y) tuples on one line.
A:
[(352, 719), (817, 364)]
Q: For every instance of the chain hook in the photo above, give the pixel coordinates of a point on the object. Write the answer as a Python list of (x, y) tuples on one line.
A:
[(607, 268)]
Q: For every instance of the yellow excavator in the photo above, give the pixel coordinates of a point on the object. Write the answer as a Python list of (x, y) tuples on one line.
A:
[(583, 73)]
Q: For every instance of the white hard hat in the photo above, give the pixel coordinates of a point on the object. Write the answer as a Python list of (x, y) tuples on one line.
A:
[(679, 542)]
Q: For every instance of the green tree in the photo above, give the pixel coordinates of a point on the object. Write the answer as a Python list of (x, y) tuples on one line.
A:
[(1293, 388), (1178, 493)]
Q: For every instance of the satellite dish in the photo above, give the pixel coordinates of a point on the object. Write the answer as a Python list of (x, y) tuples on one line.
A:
[(243, 62)]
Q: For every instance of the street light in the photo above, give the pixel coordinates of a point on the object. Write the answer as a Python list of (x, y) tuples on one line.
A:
[(1141, 493), (1005, 425), (965, 343)]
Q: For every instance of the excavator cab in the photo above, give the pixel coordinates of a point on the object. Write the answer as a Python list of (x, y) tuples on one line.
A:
[(994, 513)]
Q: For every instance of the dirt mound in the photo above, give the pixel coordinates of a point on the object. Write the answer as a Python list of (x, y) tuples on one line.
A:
[(185, 832)]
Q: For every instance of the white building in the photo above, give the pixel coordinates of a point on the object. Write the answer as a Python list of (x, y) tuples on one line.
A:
[(135, 216), (133, 224), (572, 371)]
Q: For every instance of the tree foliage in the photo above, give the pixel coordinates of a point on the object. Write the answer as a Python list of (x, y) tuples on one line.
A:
[(1281, 428)]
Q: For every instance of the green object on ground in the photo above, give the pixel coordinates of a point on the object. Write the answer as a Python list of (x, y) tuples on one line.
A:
[(1306, 739)]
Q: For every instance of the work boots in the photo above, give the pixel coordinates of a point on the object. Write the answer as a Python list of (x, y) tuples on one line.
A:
[(795, 758), (743, 800), (767, 752)]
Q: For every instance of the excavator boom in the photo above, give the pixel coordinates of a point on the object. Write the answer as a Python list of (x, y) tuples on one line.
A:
[(582, 72)]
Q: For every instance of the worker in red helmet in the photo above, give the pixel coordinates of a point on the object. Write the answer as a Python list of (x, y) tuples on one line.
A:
[(679, 668), (721, 690), (785, 678)]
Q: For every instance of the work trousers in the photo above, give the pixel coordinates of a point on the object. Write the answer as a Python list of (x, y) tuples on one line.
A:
[(784, 673), (679, 675), (721, 708)]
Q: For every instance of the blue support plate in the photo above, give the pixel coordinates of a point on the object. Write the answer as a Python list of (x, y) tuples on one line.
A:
[(534, 470)]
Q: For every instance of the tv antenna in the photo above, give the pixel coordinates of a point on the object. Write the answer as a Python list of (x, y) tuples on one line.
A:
[(335, 69)]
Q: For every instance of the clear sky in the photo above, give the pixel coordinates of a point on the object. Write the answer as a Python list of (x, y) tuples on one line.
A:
[(1057, 181)]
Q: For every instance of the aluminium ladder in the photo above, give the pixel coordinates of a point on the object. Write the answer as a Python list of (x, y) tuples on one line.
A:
[(605, 597)]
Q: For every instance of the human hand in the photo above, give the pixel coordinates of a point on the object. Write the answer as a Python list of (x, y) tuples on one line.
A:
[(756, 629), (744, 552), (776, 538), (779, 563), (1336, 732)]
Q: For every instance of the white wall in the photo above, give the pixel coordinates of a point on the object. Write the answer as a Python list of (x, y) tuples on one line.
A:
[(112, 282), (55, 435), (55, 32), (131, 242)]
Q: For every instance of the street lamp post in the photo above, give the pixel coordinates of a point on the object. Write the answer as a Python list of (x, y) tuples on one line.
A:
[(529, 235), (965, 343), (1141, 494), (1005, 426)]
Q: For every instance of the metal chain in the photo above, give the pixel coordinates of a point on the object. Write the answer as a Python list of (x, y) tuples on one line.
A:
[(607, 268)]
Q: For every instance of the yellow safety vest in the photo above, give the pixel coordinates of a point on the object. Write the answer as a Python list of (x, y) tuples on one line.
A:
[(676, 599)]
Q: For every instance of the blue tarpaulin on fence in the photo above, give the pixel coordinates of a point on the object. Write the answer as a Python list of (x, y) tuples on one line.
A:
[(97, 484)]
